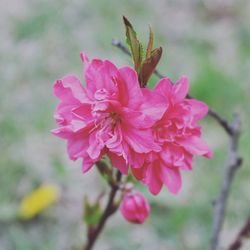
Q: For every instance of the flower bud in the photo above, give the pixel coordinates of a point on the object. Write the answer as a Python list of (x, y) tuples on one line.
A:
[(135, 208)]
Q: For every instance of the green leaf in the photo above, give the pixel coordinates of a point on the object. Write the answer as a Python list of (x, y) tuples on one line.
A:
[(130, 178), (149, 65), (134, 44), (92, 212), (106, 171), (150, 43)]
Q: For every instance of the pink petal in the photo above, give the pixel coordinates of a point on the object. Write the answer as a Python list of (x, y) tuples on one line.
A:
[(114, 143), (76, 146), (95, 146), (164, 87), (136, 160), (199, 109), (138, 173), (118, 162), (154, 105), (136, 119), (153, 179), (87, 164), (171, 178), (63, 113), (196, 146), (180, 89), (69, 90), (99, 75), (83, 112), (84, 58), (77, 125), (129, 88), (62, 132), (141, 140)]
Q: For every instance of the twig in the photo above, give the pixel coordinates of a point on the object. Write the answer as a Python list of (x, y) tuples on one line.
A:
[(232, 164), (121, 46), (111, 207), (223, 122), (244, 233)]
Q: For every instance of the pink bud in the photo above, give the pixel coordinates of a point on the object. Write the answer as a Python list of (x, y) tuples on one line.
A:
[(135, 208)]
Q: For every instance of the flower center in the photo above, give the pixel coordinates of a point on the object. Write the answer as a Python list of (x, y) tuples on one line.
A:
[(107, 122), (114, 118)]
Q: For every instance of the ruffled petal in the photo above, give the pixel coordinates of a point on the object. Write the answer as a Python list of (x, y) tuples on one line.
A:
[(141, 140), (198, 109), (77, 146), (171, 178), (196, 146), (99, 76), (83, 112), (130, 92), (152, 178), (62, 132), (164, 87), (118, 162), (95, 146), (153, 106), (69, 90), (87, 163), (180, 89)]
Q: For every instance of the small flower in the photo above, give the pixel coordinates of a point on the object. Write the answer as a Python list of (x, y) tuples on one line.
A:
[(135, 208)]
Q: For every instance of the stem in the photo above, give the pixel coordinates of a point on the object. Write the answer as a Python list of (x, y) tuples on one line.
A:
[(111, 207), (244, 233), (234, 161)]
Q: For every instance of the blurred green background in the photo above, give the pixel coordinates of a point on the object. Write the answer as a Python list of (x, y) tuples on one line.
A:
[(40, 41)]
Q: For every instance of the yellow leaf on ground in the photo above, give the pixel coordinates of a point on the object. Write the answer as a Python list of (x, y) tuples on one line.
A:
[(39, 199)]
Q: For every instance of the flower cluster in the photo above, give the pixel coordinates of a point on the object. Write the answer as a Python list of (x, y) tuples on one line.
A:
[(152, 132)]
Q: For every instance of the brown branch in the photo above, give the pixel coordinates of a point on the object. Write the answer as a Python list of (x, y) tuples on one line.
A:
[(223, 122), (244, 233), (233, 162), (111, 207)]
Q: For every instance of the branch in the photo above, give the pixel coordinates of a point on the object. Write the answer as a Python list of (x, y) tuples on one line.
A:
[(111, 207), (244, 233), (232, 164), (223, 122)]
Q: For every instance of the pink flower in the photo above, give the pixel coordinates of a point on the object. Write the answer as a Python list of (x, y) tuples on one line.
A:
[(135, 208), (178, 135), (107, 116)]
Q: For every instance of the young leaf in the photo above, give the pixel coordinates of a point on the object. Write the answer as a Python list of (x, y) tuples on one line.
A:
[(149, 65), (38, 200), (150, 43), (134, 44), (92, 212), (105, 171)]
